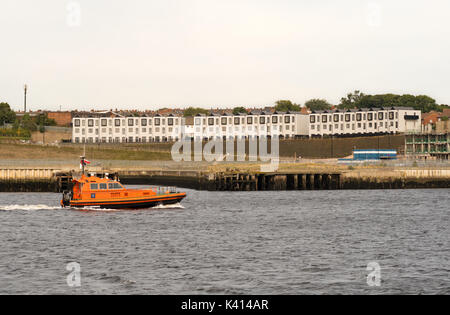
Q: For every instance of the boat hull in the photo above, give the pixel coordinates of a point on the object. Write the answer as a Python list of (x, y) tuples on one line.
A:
[(130, 203)]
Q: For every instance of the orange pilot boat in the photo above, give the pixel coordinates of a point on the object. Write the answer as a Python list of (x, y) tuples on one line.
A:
[(106, 193)]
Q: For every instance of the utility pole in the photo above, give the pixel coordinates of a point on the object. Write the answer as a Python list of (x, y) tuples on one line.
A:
[(25, 88)]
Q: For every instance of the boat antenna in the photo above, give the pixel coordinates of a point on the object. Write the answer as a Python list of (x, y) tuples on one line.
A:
[(83, 157)]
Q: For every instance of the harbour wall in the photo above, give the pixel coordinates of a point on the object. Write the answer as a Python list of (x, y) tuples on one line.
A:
[(51, 180)]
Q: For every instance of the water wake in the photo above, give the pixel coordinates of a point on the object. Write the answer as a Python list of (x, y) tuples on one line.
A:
[(173, 206), (27, 207), (161, 207)]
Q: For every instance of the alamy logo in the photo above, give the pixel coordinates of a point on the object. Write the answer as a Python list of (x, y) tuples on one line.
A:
[(374, 14), (224, 150), (374, 277), (73, 18), (74, 277)]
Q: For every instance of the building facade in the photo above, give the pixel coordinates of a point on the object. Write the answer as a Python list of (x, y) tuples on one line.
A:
[(112, 127), (363, 122)]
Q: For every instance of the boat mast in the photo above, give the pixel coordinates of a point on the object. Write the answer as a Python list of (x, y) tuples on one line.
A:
[(83, 163), (83, 157)]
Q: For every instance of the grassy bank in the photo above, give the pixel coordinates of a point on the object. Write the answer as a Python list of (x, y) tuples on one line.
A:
[(31, 152)]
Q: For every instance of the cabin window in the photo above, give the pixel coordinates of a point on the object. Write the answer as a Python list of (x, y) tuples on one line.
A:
[(103, 186), (94, 186), (114, 186)]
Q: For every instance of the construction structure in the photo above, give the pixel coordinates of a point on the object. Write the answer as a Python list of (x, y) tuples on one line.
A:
[(428, 146)]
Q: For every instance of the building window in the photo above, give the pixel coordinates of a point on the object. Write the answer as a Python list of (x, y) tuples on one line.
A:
[(347, 117), (91, 123), (391, 115), (370, 116), (170, 121), (287, 119), (312, 119), (77, 123), (104, 122), (144, 122), (336, 118), (249, 120), (358, 117), (236, 120), (274, 119), (324, 119), (130, 122), (262, 120), (117, 122), (380, 116), (210, 121), (157, 121), (224, 120)]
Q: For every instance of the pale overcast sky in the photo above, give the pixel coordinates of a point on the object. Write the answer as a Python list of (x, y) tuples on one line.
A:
[(148, 54)]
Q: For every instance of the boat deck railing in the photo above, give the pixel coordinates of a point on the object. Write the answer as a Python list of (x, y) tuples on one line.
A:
[(160, 190)]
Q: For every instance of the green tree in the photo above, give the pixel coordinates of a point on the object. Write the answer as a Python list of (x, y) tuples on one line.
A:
[(318, 104), (27, 123), (192, 111), (351, 101), (286, 105), (16, 125), (6, 114), (357, 99), (42, 119), (238, 110)]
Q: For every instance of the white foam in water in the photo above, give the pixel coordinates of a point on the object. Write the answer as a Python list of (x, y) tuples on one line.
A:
[(28, 207), (47, 207), (173, 206)]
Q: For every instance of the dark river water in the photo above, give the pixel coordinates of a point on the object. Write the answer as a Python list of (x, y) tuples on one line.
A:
[(303, 242)]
